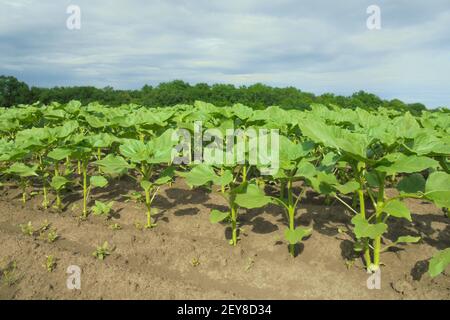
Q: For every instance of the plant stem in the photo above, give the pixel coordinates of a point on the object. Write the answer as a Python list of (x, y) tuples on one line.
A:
[(85, 189), (379, 211), (291, 213), (362, 207), (233, 224), (222, 187), (44, 183), (244, 173), (45, 202), (148, 205), (58, 196), (99, 157), (24, 191)]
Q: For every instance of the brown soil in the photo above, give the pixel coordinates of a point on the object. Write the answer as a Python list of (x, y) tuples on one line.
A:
[(187, 257)]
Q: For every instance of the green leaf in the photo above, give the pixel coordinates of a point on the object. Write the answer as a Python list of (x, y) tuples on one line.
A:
[(102, 208), (22, 170), (348, 187), (200, 175), (407, 239), (412, 184), (218, 216), (59, 154), (364, 229), (146, 185), (296, 236), (58, 182), (305, 169), (289, 150), (96, 122), (98, 181), (439, 262), (165, 176), (397, 209), (335, 137), (112, 164), (408, 164), (425, 143), (372, 179), (161, 148), (225, 179), (437, 189), (135, 150), (253, 197), (241, 111)]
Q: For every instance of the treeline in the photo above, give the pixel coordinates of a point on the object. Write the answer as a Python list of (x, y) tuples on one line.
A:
[(13, 92)]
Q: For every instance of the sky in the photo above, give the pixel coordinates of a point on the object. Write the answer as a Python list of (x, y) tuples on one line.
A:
[(317, 46)]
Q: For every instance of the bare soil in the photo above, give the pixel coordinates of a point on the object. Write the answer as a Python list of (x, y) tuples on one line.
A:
[(187, 257)]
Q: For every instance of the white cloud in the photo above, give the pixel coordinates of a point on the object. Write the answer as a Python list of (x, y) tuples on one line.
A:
[(320, 45)]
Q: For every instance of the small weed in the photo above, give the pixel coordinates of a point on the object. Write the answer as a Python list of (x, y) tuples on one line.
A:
[(115, 226), (135, 196), (27, 229), (102, 209), (50, 263), (45, 226), (250, 263), (138, 225), (8, 274), (195, 262), (349, 263), (102, 251), (52, 236)]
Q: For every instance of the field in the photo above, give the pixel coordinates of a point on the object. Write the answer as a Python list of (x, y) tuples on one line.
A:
[(341, 196)]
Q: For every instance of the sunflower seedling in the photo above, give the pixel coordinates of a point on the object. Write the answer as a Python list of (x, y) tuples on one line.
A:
[(8, 273), (102, 251), (27, 229), (50, 263), (115, 226), (102, 208), (52, 236)]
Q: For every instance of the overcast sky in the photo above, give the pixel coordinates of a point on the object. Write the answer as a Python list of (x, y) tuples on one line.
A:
[(317, 46)]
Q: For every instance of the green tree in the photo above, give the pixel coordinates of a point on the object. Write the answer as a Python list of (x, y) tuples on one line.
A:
[(13, 92)]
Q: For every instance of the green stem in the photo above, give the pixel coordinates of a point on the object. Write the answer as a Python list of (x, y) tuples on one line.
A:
[(378, 213), (291, 212), (24, 191), (45, 202), (58, 200), (244, 173), (99, 157), (68, 165), (85, 189), (233, 224), (58, 196), (362, 207), (222, 186), (44, 183), (148, 205)]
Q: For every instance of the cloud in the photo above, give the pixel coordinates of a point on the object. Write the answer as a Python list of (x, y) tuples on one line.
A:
[(319, 46)]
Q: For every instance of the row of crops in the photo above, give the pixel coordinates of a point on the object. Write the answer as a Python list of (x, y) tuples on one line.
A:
[(352, 156)]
